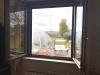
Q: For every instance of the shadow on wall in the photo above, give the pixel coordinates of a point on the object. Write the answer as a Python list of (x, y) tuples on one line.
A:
[(2, 45), (1, 12)]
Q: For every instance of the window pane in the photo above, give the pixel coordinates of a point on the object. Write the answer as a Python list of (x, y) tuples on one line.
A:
[(79, 19), (51, 31), (17, 32)]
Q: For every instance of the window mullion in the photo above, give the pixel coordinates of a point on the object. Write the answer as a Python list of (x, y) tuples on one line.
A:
[(73, 31)]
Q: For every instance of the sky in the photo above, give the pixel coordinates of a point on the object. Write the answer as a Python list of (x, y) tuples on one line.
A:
[(48, 19), (79, 19)]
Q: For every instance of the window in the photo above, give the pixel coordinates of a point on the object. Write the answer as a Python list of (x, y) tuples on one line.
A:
[(51, 31), (78, 41), (17, 32)]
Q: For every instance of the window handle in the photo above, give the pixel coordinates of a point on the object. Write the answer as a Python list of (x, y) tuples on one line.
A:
[(86, 38)]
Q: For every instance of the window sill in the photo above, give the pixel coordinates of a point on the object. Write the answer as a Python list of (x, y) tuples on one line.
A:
[(49, 60), (51, 57), (14, 57), (76, 62)]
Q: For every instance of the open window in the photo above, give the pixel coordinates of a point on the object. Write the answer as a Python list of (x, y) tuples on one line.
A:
[(48, 29), (16, 28), (57, 30), (78, 35), (52, 31), (17, 32)]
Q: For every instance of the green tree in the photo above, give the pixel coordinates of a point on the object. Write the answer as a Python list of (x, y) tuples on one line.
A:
[(67, 35), (63, 27)]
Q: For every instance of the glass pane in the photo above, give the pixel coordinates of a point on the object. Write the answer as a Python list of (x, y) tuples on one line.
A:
[(79, 19), (51, 31), (17, 32)]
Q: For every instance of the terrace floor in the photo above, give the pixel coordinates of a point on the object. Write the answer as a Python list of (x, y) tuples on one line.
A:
[(49, 52)]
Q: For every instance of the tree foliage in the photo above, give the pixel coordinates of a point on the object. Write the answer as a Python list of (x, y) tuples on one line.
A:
[(67, 35), (63, 27)]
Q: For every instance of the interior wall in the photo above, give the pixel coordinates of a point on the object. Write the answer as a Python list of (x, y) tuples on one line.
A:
[(93, 27), (2, 12), (93, 34), (53, 68), (2, 48)]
